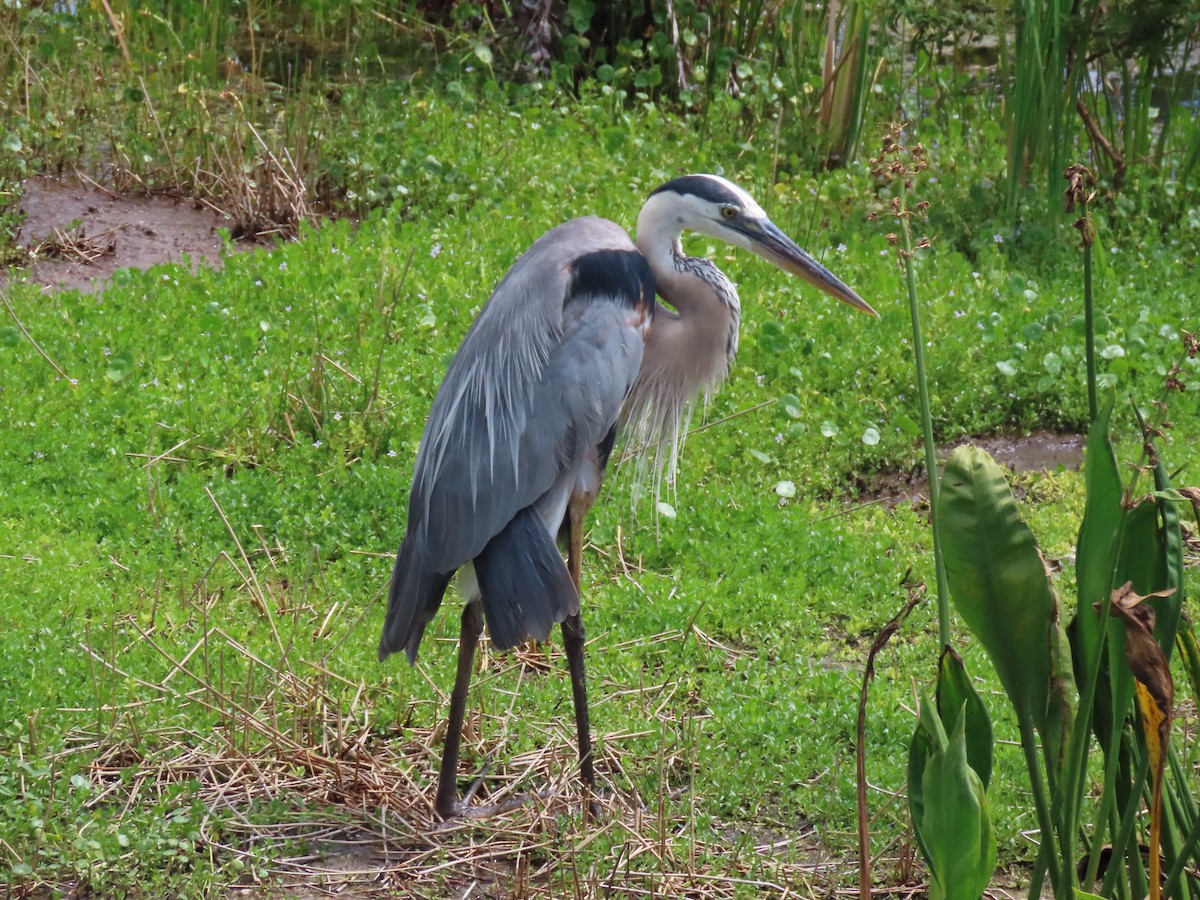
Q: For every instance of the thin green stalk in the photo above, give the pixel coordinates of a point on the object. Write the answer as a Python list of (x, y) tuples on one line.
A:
[(1175, 876), (1089, 321), (943, 591), (1108, 800), (1120, 843), (1041, 799)]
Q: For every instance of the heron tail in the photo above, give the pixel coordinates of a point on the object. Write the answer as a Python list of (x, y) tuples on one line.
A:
[(414, 597), (524, 583)]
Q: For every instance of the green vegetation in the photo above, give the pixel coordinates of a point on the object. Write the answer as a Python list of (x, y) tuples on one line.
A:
[(203, 474)]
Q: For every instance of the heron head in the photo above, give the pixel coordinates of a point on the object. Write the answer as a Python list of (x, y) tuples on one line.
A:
[(711, 205)]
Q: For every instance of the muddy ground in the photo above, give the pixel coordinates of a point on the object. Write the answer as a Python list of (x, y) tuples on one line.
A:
[(77, 235)]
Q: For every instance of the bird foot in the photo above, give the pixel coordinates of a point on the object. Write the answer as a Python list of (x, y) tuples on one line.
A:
[(594, 811), (459, 810)]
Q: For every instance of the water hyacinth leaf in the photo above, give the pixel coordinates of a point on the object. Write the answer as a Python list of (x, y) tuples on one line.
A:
[(957, 696), (119, 365), (791, 406), (997, 578), (483, 53)]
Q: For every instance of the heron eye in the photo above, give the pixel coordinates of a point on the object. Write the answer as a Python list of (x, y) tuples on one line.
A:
[(728, 212)]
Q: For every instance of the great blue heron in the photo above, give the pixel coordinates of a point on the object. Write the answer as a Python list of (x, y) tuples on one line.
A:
[(570, 346)]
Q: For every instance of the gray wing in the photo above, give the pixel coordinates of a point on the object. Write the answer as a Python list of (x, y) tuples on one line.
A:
[(537, 383)]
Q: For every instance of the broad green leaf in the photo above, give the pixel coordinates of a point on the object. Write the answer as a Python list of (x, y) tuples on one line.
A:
[(1063, 701), (957, 696), (1155, 700), (997, 577), (955, 823), (1097, 533), (929, 738), (1103, 519), (1189, 654), (1168, 608)]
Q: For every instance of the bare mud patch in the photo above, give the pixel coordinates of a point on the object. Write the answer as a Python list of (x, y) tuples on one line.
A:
[(77, 235), (1040, 451)]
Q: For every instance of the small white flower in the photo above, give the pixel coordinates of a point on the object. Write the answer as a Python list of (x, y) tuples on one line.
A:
[(337, 417), (316, 443), (391, 453), (998, 238), (283, 266)]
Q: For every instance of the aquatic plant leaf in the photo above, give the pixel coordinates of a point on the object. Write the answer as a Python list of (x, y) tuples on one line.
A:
[(997, 578), (955, 827), (1155, 693), (1102, 521), (957, 696)]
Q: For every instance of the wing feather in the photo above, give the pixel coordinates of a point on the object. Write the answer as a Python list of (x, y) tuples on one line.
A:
[(537, 383)]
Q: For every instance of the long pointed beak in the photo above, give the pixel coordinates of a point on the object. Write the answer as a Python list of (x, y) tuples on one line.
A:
[(780, 250)]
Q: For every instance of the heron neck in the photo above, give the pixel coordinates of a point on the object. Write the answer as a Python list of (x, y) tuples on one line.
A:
[(693, 340)]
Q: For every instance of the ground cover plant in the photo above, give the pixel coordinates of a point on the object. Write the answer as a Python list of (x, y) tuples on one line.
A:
[(204, 473)]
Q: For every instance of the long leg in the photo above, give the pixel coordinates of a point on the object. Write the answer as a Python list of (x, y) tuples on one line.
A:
[(573, 644), (447, 803), (573, 640)]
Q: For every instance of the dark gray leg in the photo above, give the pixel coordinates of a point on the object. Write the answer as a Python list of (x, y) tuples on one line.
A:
[(447, 803), (573, 641)]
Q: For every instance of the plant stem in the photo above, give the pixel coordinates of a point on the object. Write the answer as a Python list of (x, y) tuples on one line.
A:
[(943, 592), (1090, 329), (1041, 804)]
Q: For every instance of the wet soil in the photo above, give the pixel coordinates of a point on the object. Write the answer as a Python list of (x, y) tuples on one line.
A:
[(78, 235), (1041, 451)]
